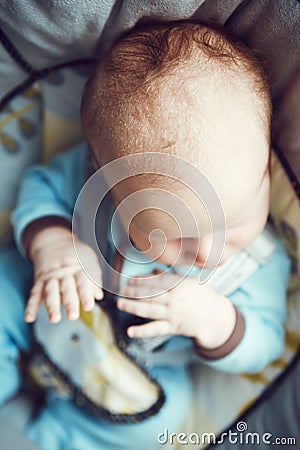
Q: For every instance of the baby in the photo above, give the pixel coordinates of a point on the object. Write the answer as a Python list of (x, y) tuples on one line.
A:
[(187, 91), (192, 91)]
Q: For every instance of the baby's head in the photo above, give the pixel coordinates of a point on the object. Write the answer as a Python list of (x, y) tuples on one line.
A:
[(191, 90)]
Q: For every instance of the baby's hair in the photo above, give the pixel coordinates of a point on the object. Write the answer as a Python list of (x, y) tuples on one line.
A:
[(152, 51), (147, 55)]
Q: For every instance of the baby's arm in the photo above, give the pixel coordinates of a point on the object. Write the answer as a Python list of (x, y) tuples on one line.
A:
[(235, 339), (262, 301), (42, 225)]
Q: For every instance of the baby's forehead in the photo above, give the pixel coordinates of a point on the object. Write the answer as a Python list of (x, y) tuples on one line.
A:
[(227, 145), (213, 115)]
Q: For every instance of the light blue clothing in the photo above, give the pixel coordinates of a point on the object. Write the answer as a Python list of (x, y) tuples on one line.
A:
[(53, 190), (15, 282)]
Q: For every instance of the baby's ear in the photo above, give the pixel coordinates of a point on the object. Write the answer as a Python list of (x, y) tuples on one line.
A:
[(93, 159)]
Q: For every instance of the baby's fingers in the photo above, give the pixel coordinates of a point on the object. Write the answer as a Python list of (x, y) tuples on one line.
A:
[(151, 329), (34, 302), (85, 291), (70, 297), (143, 309), (52, 300), (158, 281), (143, 292)]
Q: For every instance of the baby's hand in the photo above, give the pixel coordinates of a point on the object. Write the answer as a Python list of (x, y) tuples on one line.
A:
[(189, 309), (59, 278)]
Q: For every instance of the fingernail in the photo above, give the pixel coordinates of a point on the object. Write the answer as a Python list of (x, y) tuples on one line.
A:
[(131, 332), (88, 306), (72, 314), (54, 318), (28, 317)]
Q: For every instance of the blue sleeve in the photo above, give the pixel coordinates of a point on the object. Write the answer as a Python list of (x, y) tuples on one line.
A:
[(50, 190), (262, 301)]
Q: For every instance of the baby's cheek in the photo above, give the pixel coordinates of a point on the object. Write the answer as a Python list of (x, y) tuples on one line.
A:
[(172, 254), (238, 238)]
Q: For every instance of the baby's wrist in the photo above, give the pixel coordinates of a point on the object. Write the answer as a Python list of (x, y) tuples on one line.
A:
[(207, 351), (220, 327), (43, 231)]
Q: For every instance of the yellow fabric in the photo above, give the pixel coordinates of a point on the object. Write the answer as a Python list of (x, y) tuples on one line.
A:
[(59, 134), (88, 355), (20, 132), (56, 133)]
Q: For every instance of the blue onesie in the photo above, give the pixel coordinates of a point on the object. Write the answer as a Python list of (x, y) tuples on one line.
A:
[(52, 191)]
